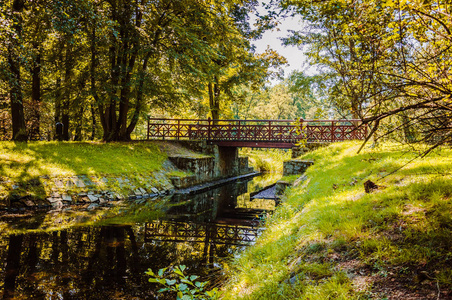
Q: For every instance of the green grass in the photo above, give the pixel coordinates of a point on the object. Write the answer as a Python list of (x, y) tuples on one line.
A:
[(393, 233), (22, 161), (24, 164), (266, 160)]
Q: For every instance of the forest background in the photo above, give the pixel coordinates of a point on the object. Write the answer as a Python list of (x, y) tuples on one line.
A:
[(101, 67)]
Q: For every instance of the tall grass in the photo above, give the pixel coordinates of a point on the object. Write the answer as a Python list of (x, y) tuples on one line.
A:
[(320, 229)]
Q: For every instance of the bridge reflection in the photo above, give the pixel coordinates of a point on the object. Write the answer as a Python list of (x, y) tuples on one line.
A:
[(108, 262), (206, 233)]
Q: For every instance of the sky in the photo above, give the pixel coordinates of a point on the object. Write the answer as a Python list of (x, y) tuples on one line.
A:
[(295, 58)]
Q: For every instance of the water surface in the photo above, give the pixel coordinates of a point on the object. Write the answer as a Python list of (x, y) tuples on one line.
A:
[(103, 254)]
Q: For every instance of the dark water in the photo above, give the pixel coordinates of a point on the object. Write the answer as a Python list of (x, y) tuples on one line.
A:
[(107, 259)]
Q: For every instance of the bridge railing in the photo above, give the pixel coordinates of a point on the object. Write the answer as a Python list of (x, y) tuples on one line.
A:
[(286, 131)]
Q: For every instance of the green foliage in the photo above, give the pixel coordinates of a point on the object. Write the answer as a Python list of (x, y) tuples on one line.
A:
[(100, 66), (266, 160), (183, 286), (387, 61)]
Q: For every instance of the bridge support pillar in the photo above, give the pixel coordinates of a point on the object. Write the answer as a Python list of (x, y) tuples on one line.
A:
[(228, 161)]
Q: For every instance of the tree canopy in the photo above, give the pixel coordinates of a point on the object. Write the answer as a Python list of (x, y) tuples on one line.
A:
[(390, 60), (90, 62)]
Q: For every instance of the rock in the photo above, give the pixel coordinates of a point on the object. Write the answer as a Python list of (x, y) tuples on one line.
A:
[(58, 183), (54, 199), (88, 182), (154, 190), (296, 166), (57, 205), (70, 184), (104, 180), (79, 183), (67, 198), (92, 198), (143, 191), (370, 186), (93, 206), (102, 201), (138, 192)]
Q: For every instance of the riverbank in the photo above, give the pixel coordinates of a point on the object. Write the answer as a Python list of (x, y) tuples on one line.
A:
[(331, 240), (42, 175)]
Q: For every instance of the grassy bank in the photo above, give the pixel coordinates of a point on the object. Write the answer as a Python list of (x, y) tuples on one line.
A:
[(25, 167), (331, 240), (22, 161)]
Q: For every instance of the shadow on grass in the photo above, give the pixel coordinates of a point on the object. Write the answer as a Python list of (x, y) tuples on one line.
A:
[(24, 161)]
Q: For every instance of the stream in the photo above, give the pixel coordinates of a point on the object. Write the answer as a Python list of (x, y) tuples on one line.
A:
[(103, 254)]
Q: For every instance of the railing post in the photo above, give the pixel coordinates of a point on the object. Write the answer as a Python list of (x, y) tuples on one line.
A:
[(301, 131), (149, 121), (208, 128), (333, 136), (178, 129), (270, 135), (239, 132)]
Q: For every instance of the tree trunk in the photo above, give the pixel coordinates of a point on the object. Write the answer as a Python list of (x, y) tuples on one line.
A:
[(214, 100), (57, 107), (17, 106), (67, 94), (34, 130), (93, 123)]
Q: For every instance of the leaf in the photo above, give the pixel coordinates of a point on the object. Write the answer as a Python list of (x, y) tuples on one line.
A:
[(198, 284), (178, 272), (186, 281), (163, 290), (150, 272), (161, 271), (186, 297), (170, 281), (183, 286), (182, 267), (193, 277)]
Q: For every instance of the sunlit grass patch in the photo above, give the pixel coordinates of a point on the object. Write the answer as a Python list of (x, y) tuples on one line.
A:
[(404, 226), (22, 161)]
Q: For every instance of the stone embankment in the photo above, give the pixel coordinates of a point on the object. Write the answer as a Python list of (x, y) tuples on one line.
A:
[(292, 167), (180, 171)]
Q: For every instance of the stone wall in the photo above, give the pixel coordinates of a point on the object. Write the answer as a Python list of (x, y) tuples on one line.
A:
[(296, 166)]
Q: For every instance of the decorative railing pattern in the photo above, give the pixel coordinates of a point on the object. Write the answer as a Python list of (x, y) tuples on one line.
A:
[(172, 231), (285, 131)]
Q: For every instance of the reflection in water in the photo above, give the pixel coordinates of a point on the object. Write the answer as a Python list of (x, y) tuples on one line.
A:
[(108, 262)]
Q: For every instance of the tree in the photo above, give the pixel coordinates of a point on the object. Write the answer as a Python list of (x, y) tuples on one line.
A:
[(14, 40), (391, 60)]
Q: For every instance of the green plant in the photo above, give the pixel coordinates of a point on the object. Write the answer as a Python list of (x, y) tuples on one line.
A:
[(185, 287)]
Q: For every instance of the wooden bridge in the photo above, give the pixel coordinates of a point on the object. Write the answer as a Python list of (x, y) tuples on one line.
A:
[(256, 133)]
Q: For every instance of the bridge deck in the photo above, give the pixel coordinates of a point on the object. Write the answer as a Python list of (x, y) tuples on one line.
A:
[(256, 133)]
